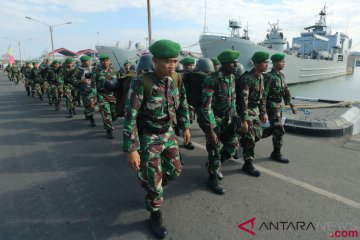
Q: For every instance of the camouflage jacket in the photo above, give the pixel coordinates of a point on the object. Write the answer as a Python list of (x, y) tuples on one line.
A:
[(36, 75), (153, 114), (82, 74), (68, 74), (218, 100), (250, 97), (276, 89), (54, 76), (14, 69), (27, 73), (100, 77)]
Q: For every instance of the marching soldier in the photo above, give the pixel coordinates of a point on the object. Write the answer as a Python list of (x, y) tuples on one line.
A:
[(276, 90), (54, 80), (29, 86), (154, 100), (70, 92), (217, 110), (216, 63), (15, 73), (37, 80), (86, 84), (106, 99), (250, 107)]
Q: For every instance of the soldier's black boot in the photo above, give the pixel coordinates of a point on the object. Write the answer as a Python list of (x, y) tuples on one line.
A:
[(70, 114), (189, 146), (214, 185), (156, 225), (249, 168), (219, 175), (109, 133), (73, 111), (277, 156), (236, 155), (92, 121)]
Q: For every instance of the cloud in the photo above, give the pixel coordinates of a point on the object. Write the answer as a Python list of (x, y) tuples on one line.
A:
[(181, 20)]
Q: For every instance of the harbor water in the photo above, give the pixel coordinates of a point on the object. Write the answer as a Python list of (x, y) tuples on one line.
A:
[(346, 88)]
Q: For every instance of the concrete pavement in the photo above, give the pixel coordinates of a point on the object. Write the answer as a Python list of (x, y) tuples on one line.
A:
[(61, 179)]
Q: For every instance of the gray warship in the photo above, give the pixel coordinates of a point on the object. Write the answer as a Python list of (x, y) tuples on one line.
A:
[(316, 55)]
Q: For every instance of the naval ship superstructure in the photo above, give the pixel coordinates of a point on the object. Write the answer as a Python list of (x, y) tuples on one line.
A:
[(316, 55)]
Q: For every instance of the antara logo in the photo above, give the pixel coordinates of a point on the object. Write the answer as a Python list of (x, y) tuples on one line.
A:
[(249, 225), (252, 223)]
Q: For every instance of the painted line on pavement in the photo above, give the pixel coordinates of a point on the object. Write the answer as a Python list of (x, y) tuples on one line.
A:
[(304, 185)]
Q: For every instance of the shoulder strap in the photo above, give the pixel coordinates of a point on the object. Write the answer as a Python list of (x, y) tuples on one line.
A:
[(148, 84)]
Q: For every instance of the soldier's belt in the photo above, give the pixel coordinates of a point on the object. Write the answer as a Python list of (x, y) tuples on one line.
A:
[(157, 130), (277, 100)]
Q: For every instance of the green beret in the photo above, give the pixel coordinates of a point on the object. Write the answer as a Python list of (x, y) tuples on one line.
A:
[(27, 62), (85, 58), (188, 61), (228, 56), (104, 56), (260, 57), (215, 61), (165, 49), (127, 62), (55, 62), (277, 57), (69, 60)]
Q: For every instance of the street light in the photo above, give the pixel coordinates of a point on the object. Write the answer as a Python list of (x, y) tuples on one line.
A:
[(51, 28), (19, 45)]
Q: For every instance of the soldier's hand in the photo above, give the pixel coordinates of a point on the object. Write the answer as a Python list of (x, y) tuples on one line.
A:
[(187, 136), (213, 139), (293, 109), (134, 160), (264, 118), (244, 127)]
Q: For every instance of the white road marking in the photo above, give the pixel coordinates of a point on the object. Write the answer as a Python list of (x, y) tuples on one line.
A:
[(304, 185)]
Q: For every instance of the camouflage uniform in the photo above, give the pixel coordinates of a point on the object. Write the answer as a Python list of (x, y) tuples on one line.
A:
[(15, 73), (70, 92), (276, 89), (148, 129), (54, 80), (44, 69), (8, 71), (250, 104), (106, 100), (38, 81), (86, 84), (29, 86), (218, 106)]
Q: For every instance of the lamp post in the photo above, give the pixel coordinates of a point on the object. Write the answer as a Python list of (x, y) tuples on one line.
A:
[(19, 45), (51, 29)]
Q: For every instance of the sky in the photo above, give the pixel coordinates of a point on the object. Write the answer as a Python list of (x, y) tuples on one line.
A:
[(107, 22)]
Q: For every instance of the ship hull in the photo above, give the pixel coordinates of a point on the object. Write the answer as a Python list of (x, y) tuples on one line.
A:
[(297, 70), (118, 55)]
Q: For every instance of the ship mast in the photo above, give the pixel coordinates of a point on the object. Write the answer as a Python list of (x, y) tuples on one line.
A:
[(205, 21), (149, 22)]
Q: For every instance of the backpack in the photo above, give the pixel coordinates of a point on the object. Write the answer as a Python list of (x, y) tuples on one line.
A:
[(193, 82), (148, 78)]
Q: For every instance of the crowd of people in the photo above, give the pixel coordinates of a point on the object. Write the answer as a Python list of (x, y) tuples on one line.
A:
[(161, 98)]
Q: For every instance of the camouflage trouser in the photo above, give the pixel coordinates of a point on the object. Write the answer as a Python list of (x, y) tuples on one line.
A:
[(276, 128), (229, 140), (47, 90), (160, 162), (29, 86), (249, 139), (9, 76), (39, 89), (107, 110), (55, 92), (89, 102), (70, 93), (16, 77)]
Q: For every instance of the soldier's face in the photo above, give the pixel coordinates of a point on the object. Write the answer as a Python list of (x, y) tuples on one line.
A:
[(86, 63), (231, 67), (56, 65), (216, 67), (262, 67), (188, 68), (127, 67), (36, 65), (105, 63), (279, 65), (69, 65), (165, 66)]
